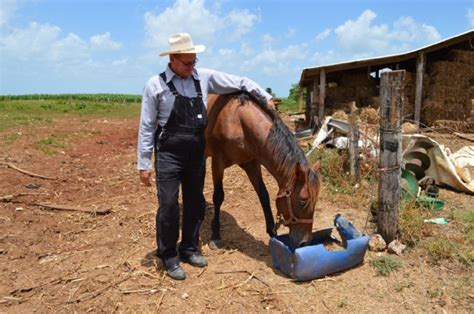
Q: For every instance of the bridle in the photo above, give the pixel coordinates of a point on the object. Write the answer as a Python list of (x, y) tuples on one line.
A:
[(292, 219)]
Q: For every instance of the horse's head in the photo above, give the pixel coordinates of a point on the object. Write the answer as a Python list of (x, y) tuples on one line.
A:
[(296, 203)]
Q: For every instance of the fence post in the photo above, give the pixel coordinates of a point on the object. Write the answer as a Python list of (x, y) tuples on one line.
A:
[(354, 141), (391, 102)]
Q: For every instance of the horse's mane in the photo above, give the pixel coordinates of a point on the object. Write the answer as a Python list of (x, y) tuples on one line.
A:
[(281, 141)]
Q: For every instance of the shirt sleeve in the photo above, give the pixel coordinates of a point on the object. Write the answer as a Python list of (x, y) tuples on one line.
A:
[(148, 124), (223, 83)]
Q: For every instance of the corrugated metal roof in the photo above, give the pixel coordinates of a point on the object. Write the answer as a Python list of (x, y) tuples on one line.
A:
[(314, 71)]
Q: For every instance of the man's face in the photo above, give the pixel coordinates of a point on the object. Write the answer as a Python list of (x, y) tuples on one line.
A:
[(183, 63)]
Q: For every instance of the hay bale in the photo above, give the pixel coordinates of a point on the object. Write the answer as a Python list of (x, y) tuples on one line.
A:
[(356, 79), (461, 56), (341, 94), (369, 115), (409, 128), (450, 73), (433, 110), (459, 126), (340, 115)]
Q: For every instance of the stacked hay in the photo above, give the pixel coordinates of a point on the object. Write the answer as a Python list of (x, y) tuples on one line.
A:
[(461, 56), (353, 86), (408, 110), (448, 89)]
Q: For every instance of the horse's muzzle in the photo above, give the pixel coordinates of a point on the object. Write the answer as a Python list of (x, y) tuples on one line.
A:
[(299, 236)]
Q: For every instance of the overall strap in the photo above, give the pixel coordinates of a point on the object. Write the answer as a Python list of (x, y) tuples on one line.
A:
[(197, 86), (173, 90), (170, 85)]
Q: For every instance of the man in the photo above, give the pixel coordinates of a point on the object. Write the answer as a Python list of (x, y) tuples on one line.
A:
[(172, 123)]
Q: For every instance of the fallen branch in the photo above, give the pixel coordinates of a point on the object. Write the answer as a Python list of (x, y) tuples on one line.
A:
[(465, 136), (9, 198), (236, 285), (243, 271), (96, 293), (202, 272), (72, 208), (145, 291), (161, 300), (31, 174)]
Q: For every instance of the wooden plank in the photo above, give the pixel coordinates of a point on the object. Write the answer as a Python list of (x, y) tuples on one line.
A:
[(391, 102), (322, 94), (420, 70)]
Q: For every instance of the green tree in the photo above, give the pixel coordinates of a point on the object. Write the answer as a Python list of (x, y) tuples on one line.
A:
[(269, 90)]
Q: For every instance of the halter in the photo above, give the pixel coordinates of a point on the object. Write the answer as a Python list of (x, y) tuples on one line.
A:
[(292, 219)]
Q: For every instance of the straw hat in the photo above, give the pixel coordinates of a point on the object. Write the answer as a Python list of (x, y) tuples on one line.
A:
[(182, 43)]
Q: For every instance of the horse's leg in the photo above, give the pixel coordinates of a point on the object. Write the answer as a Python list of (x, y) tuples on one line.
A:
[(254, 172), (217, 198)]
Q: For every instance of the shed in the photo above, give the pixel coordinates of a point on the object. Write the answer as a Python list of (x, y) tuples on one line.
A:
[(439, 83)]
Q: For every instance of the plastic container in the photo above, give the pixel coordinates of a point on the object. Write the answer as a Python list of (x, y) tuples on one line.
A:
[(314, 260)]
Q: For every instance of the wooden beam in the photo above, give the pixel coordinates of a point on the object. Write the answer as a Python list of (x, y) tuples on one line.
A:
[(420, 71), (391, 103), (322, 94)]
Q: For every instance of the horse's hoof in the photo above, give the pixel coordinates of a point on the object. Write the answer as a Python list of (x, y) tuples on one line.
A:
[(216, 244)]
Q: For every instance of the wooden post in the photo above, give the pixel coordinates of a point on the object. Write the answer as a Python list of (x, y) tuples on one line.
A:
[(354, 141), (420, 71), (322, 94), (300, 100), (391, 102), (314, 101), (308, 115)]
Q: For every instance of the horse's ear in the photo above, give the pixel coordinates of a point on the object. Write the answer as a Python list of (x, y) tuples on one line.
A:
[(316, 166), (300, 173)]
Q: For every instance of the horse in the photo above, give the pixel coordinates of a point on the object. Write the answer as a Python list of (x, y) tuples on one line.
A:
[(244, 130)]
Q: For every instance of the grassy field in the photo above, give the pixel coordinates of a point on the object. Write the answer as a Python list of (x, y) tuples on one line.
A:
[(19, 111)]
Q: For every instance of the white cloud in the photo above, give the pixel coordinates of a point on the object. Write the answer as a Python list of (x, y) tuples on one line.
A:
[(104, 42), (7, 10), (267, 40), (406, 29), (470, 17), (242, 21), (69, 50), (184, 16), (277, 61), (360, 35), (33, 42), (290, 32), (193, 17), (363, 37), (323, 35)]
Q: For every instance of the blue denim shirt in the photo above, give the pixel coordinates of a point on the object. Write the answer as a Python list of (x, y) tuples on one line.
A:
[(157, 102)]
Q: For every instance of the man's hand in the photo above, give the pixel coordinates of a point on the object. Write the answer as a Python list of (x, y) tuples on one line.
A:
[(271, 104), (146, 177)]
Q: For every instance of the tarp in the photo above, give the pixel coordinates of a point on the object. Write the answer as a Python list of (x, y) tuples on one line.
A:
[(439, 165)]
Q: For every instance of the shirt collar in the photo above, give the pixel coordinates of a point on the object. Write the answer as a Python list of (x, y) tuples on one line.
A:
[(170, 74)]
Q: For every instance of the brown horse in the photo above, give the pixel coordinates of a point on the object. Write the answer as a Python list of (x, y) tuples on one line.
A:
[(246, 131)]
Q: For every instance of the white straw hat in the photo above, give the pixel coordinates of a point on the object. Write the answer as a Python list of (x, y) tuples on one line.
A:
[(182, 43)]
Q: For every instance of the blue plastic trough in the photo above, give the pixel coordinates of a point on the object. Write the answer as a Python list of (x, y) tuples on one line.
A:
[(313, 260)]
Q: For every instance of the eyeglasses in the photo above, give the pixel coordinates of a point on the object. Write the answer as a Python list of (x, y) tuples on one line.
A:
[(188, 64)]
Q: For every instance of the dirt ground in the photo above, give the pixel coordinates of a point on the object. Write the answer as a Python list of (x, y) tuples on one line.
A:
[(67, 261)]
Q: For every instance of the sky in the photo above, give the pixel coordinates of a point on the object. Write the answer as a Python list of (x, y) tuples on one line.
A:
[(113, 46)]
